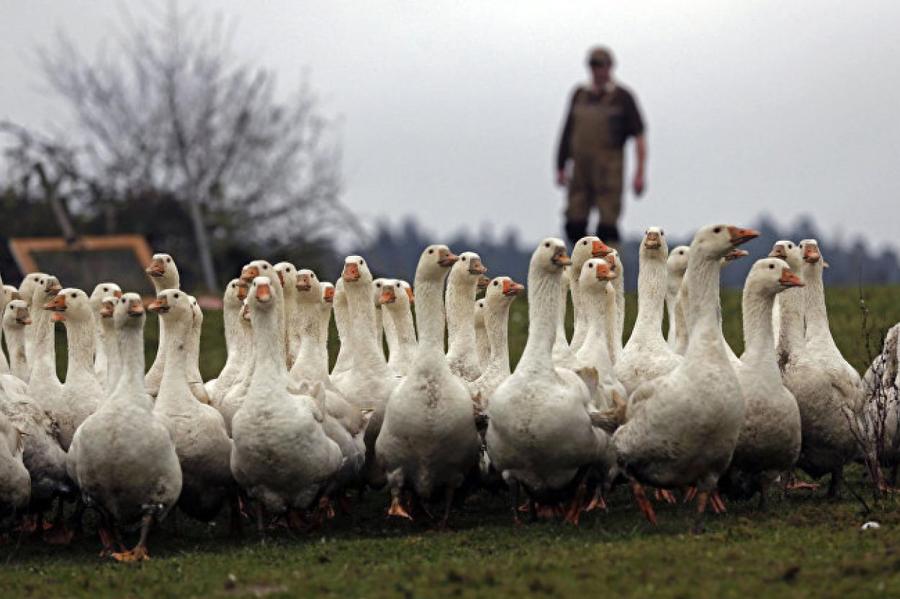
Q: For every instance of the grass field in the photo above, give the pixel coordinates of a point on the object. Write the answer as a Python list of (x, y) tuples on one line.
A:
[(804, 546)]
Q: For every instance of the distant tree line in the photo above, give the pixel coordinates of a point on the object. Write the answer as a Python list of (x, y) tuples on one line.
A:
[(394, 251)]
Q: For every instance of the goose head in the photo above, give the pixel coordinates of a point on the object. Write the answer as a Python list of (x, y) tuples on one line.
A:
[(550, 256), (788, 251), (377, 289), (235, 293), (678, 260), (287, 274), (355, 271), (46, 288), (327, 292), (245, 311), (434, 262), (107, 310), (69, 304), (483, 282), (589, 247), (261, 296), (29, 284), (16, 313), (735, 254), (163, 271), (468, 269), (769, 276), (812, 255), (714, 242), (387, 291), (258, 268), (595, 273), (408, 291), (309, 287), (502, 290), (654, 244), (173, 304), (129, 312), (10, 293), (102, 292)]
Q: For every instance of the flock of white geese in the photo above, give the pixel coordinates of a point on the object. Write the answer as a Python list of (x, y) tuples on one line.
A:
[(278, 436)]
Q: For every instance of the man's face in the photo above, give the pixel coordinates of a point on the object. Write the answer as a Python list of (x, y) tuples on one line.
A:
[(600, 68)]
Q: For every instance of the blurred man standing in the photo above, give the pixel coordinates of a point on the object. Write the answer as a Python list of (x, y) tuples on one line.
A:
[(602, 116)]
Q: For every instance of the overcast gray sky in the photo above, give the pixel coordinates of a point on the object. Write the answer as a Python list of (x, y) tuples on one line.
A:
[(451, 110)]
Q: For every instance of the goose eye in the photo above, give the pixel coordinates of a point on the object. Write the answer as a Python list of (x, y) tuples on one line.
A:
[(771, 266), (584, 242), (790, 246), (168, 260), (496, 283), (546, 245), (661, 232), (74, 295), (265, 267), (430, 251), (717, 230), (312, 276), (176, 296), (105, 289), (362, 262)]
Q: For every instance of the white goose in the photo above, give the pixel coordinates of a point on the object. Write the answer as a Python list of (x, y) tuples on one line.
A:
[(201, 442), (287, 276), (43, 382), (827, 388), (163, 274), (646, 355), (539, 433), (617, 317), (236, 342), (125, 459), (501, 293), (233, 396), (790, 252), (344, 360), (462, 283), (27, 288), (675, 267), (15, 482), (562, 351), (682, 427), (396, 303), (583, 250), (281, 458), (15, 319), (598, 304), (195, 379), (81, 393), (428, 441), (769, 443), (101, 291)]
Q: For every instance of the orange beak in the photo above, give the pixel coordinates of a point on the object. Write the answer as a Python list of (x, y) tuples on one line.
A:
[(652, 241), (447, 258), (242, 288), (387, 297), (245, 312), (611, 260), (561, 258), (599, 249), (249, 273), (351, 272), (739, 236), (604, 272), (57, 304), (511, 288), (303, 283), (135, 308), (735, 254), (477, 268), (328, 295), (106, 311), (778, 251), (159, 305), (811, 254), (156, 268), (53, 289), (410, 295), (263, 292), (280, 277), (789, 278)]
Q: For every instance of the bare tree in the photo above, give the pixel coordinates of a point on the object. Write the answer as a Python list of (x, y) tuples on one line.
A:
[(172, 109)]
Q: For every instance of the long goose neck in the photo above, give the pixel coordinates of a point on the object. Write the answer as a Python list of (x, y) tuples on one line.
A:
[(543, 314), (619, 285), (309, 362), (130, 346), (461, 314), (496, 323), (233, 335), (324, 331), (404, 329), (673, 284), (430, 313), (194, 350), (702, 311), (174, 383), (15, 343), (651, 296), (362, 325), (791, 332), (270, 368), (816, 312), (114, 358), (759, 337), (43, 358)]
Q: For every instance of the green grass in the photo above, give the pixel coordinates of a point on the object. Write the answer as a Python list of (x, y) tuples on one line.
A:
[(804, 546)]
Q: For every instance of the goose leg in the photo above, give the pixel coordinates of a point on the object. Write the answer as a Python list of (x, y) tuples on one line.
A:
[(665, 495), (574, 511), (235, 512), (702, 499), (396, 509), (795, 484), (643, 503), (58, 533), (718, 504), (448, 502), (598, 501), (514, 500), (139, 553)]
